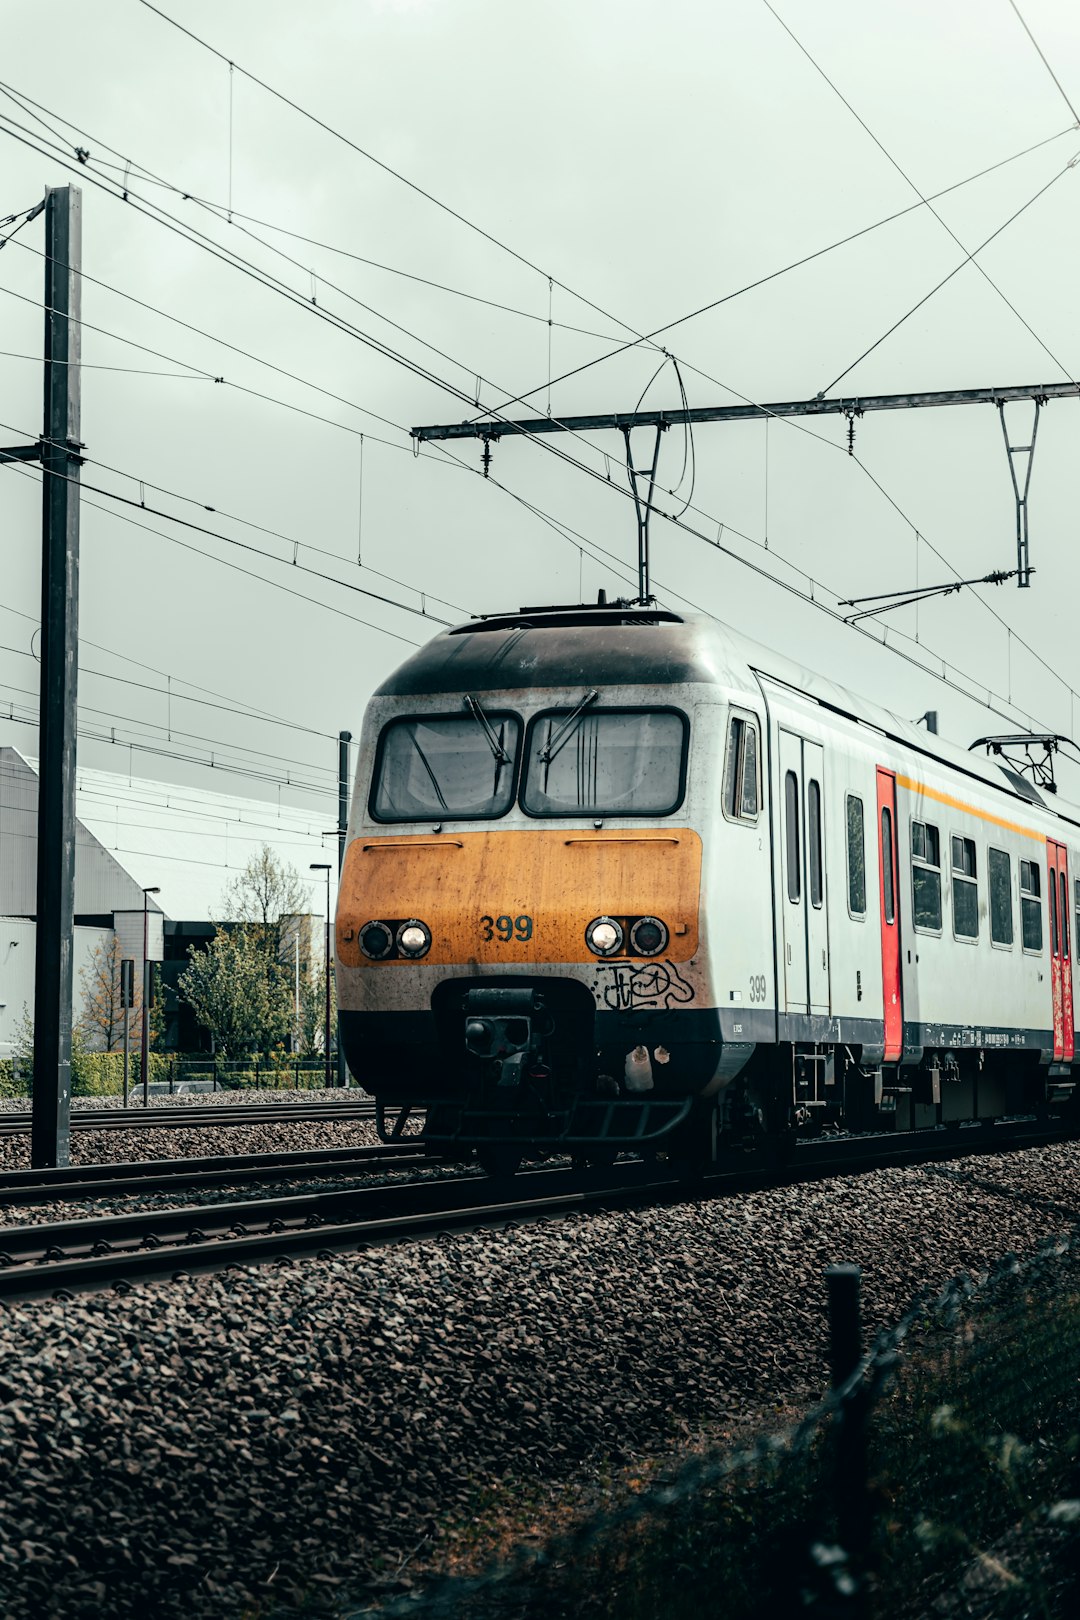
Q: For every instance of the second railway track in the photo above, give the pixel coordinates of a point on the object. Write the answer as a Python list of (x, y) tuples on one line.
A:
[(101, 1251), (186, 1116)]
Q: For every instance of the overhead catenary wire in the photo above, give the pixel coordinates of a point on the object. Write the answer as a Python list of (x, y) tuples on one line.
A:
[(229, 215), (243, 545), (795, 264), (338, 135), (1065, 98), (910, 182), (969, 258), (240, 706), (420, 371)]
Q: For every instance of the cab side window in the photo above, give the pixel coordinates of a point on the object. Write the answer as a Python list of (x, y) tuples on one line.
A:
[(742, 797)]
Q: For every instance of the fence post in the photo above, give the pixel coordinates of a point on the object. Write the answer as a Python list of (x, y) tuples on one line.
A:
[(845, 1354)]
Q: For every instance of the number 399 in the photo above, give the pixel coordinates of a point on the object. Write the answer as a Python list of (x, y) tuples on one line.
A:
[(506, 929)]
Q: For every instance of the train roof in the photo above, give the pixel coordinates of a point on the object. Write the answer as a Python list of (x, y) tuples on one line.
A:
[(628, 645)]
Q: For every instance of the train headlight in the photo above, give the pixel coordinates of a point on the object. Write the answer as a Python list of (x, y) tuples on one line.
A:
[(604, 936), (648, 936), (414, 938), (376, 940)]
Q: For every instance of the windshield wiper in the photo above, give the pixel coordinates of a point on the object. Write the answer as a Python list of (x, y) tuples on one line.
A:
[(485, 725), (553, 744), (432, 778)]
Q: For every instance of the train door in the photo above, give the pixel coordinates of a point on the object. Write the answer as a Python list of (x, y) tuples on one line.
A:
[(889, 898), (817, 930), (793, 875), (806, 940), (1057, 888)]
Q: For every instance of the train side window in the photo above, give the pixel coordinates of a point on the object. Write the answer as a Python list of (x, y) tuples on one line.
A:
[(856, 858), (965, 888), (741, 796), (1076, 917), (926, 876), (999, 878), (1030, 907), (1063, 913), (791, 819), (813, 839), (887, 865)]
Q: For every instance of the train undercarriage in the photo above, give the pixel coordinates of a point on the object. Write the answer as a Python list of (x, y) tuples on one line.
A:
[(523, 1068)]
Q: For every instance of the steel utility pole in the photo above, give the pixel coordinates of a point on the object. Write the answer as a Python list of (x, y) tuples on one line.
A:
[(1038, 394), (50, 1140), (344, 739)]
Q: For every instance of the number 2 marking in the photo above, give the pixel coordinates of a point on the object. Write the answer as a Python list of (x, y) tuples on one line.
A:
[(507, 928)]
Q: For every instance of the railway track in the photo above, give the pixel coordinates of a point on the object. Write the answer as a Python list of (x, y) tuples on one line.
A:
[(79, 1181), (196, 1114), (60, 1257)]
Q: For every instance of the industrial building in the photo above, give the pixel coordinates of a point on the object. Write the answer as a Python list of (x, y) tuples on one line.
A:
[(132, 835)]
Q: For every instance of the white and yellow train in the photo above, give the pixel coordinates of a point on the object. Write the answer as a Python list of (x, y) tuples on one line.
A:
[(613, 875)]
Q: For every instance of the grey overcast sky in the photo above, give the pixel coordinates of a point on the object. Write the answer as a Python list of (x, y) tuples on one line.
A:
[(650, 160)]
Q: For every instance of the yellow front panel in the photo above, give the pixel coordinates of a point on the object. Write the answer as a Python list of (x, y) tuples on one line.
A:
[(558, 879)]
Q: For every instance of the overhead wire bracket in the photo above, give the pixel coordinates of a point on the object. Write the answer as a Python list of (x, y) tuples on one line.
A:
[(643, 511), (909, 598), (1023, 570)]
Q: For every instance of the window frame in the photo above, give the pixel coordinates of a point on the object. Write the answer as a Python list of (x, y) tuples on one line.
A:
[(887, 844), (956, 877), (566, 709), (1076, 917), (747, 718), (1029, 896), (857, 798), (925, 865), (439, 814), (815, 843), (999, 944), (793, 839)]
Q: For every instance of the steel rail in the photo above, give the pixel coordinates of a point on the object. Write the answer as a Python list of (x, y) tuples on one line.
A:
[(117, 1249), (196, 1115), (166, 1175)]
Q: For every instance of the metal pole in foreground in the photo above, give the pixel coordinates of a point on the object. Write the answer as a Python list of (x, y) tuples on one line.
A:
[(50, 1135), (344, 739), (147, 996), (127, 1001), (324, 866), (845, 1354)]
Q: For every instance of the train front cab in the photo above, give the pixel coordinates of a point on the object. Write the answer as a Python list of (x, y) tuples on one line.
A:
[(531, 964)]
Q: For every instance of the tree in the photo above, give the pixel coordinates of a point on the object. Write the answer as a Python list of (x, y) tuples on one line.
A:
[(101, 1021), (313, 1010), (234, 996), (266, 892)]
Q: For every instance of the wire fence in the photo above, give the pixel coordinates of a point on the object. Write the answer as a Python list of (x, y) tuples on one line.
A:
[(939, 1476)]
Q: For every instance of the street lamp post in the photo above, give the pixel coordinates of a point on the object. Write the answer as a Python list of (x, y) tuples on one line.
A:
[(324, 866), (144, 1050)]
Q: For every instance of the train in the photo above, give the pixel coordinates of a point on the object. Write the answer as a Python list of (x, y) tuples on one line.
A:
[(619, 879)]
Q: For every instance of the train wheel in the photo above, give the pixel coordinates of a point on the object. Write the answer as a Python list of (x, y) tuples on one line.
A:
[(499, 1160)]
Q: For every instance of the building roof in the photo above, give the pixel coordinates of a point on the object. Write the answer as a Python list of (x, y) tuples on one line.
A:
[(132, 831)]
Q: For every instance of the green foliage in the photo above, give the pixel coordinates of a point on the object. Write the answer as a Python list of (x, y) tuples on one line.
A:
[(238, 992)]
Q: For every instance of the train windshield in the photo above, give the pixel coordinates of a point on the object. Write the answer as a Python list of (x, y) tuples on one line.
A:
[(446, 765), (613, 762)]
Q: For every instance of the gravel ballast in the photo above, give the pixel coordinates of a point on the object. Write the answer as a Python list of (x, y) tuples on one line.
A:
[(298, 1434), (175, 1142)]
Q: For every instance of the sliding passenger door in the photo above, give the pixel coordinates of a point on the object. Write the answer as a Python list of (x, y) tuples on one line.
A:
[(802, 888), (1057, 889), (793, 873)]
